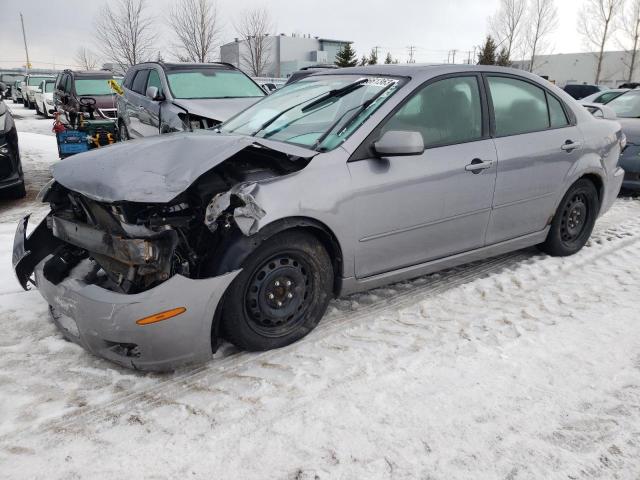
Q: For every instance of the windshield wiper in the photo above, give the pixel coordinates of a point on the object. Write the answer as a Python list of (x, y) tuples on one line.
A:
[(359, 109), (337, 93), (314, 101)]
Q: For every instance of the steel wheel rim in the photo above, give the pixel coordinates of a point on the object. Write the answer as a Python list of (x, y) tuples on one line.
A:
[(574, 218), (278, 295)]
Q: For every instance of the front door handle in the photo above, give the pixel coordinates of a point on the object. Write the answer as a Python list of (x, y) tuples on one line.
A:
[(570, 146), (477, 165)]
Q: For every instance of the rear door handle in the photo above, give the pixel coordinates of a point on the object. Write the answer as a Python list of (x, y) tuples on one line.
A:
[(477, 165), (570, 146)]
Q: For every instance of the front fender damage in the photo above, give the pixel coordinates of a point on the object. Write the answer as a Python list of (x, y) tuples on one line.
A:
[(241, 201)]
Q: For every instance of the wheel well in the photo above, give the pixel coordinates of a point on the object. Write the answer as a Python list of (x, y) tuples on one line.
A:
[(238, 247), (329, 241), (597, 182)]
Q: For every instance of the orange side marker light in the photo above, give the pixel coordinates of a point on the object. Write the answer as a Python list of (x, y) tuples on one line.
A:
[(159, 317)]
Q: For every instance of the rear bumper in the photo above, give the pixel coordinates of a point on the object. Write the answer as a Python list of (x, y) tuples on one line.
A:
[(104, 322)]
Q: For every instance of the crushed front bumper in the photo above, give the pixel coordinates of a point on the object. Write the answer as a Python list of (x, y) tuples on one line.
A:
[(104, 322)]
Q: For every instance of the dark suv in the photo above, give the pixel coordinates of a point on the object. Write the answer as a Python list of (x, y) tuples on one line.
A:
[(71, 86), (169, 97), (579, 91), (11, 176)]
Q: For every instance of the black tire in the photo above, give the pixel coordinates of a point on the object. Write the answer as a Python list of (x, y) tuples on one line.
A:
[(45, 112), (38, 112), (281, 293), (574, 220), (16, 192), (123, 133)]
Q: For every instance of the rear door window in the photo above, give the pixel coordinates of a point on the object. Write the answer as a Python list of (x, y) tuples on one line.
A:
[(518, 106), (557, 115)]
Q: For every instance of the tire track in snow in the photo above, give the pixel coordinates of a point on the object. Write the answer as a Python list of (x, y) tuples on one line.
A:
[(602, 244)]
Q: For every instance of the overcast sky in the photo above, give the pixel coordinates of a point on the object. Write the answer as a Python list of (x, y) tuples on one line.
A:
[(56, 29)]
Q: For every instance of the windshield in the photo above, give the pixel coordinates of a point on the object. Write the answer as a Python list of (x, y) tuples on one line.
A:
[(317, 112), (211, 83), (93, 86), (626, 105), (48, 87), (35, 81)]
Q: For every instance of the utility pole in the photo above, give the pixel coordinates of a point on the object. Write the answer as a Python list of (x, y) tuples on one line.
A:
[(449, 56), (24, 37), (453, 56), (412, 49)]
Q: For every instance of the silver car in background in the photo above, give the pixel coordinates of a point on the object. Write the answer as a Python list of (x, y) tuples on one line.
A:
[(344, 181), (163, 97)]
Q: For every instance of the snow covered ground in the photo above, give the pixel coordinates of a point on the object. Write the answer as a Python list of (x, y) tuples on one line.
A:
[(518, 367)]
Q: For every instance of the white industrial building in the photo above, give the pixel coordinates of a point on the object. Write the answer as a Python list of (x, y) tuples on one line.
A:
[(564, 68), (285, 53)]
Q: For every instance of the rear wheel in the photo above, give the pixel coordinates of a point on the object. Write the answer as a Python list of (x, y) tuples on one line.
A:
[(281, 293), (574, 220)]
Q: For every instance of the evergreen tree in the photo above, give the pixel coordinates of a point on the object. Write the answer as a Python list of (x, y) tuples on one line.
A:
[(388, 59), (346, 56), (487, 55), (373, 58), (363, 61), (503, 58)]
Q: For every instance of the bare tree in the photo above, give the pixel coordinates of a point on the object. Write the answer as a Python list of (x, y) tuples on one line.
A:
[(85, 59), (253, 29), (195, 24), (541, 21), (506, 24), (124, 32), (630, 27), (596, 26)]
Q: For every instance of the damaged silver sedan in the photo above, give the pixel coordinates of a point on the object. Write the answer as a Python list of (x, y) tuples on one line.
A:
[(154, 250)]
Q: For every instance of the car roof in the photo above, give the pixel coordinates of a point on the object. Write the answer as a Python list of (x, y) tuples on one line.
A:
[(180, 66), (425, 70), (91, 73)]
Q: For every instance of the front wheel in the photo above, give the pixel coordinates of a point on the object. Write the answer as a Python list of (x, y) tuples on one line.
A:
[(574, 220), (281, 293)]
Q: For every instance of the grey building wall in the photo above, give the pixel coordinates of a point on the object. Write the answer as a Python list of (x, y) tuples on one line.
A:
[(564, 68), (286, 53)]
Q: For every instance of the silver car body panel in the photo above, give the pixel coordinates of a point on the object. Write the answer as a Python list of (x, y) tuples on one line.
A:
[(391, 218), (105, 321), (153, 175)]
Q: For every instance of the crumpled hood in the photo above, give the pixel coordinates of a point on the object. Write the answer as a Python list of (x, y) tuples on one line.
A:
[(220, 109), (631, 128), (155, 169)]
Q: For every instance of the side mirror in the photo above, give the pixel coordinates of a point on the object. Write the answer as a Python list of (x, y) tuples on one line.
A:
[(399, 142), (153, 93), (601, 111)]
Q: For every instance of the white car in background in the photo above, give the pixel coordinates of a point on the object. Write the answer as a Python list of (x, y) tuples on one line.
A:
[(44, 97), (605, 96), (29, 86)]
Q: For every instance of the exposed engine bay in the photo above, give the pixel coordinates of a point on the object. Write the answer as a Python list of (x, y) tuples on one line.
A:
[(135, 246)]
